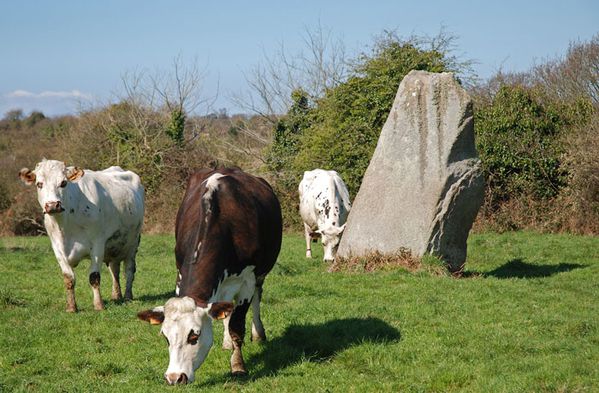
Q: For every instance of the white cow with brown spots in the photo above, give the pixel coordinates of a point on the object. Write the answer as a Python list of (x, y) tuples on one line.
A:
[(95, 214), (324, 207)]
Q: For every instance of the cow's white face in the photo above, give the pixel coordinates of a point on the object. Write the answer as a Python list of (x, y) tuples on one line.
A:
[(51, 178), (331, 236), (188, 332)]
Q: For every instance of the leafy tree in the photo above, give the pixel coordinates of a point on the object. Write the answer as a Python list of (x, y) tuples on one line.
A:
[(176, 127), (287, 132), (14, 115), (34, 118), (13, 118)]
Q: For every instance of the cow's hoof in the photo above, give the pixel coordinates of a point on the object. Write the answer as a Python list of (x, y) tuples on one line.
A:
[(116, 297), (72, 309), (99, 307), (237, 363), (239, 373), (258, 338), (227, 345)]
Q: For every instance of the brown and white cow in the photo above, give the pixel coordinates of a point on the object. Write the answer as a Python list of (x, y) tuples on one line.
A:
[(95, 214), (324, 207), (228, 237)]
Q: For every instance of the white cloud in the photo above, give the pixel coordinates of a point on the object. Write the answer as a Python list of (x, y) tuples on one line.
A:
[(58, 94), (19, 93), (50, 102)]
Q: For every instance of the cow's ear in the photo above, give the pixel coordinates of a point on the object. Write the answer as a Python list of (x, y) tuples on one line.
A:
[(220, 310), (74, 173), (27, 176), (154, 316)]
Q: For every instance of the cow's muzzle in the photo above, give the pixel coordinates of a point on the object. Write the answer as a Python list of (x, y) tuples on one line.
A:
[(53, 207), (176, 379)]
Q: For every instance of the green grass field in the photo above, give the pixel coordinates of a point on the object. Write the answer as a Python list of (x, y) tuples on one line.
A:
[(524, 318)]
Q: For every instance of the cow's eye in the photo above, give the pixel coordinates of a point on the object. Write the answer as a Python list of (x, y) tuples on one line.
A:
[(39, 184), (192, 337), (63, 184)]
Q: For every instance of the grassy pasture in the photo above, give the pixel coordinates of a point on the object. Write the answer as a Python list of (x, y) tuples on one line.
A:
[(524, 318)]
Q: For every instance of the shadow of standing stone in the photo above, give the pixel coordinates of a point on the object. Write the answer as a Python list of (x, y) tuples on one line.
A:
[(424, 184)]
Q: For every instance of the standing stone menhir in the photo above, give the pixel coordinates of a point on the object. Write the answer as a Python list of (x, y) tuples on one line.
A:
[(424, 185)]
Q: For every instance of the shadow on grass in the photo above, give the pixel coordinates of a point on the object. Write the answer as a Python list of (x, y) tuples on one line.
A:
[(156, 297), (313, 343), (517, 268)]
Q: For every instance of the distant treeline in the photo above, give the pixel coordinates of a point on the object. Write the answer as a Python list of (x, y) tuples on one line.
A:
[(537, 133)]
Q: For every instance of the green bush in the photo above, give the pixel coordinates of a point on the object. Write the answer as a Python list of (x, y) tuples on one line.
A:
[(280, 155), (582, 161), (5, 200), (132, 136), (348, 119), (518, 138), (340, 130)]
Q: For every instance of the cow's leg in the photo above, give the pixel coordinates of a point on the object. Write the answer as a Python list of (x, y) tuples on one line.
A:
[(130, 272), (94, 277), (258, 333), (227, 342), (307, 232), (237, 332), (115, 271), (69, 284)]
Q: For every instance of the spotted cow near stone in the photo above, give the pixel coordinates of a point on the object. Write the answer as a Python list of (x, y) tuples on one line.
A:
[(228, 236), (324, 207), (95, 214)]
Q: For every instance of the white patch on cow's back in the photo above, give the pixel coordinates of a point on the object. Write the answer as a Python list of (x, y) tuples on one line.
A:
[(236, 288), (211, 186)]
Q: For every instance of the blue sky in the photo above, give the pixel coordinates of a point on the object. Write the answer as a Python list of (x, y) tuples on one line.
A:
[(54, 54)]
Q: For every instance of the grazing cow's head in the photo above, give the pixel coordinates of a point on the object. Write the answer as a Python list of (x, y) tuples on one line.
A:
[(187, 328), (330, 240), (51, 178)]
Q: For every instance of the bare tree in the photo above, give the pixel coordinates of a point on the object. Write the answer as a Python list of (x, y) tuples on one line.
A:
[(575, 75), (320, 66), (148, 129), (177, 91), (180, 87)]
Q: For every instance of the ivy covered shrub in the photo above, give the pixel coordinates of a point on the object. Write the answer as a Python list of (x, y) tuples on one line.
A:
[(340, 130), (519, 139)]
